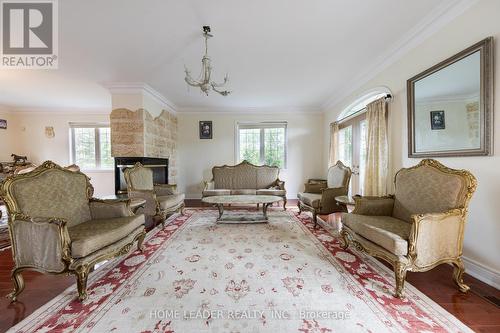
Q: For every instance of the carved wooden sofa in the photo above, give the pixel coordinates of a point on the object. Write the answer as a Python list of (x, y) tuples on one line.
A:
[(420, 226), (245, 178), (57, 227)]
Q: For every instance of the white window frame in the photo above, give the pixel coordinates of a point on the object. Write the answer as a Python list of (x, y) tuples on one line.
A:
[(261, 126), (96, 127)]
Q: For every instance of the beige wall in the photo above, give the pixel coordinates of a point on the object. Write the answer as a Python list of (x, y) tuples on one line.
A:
[(8, 143), (197, 157), (27, 137), (482, 236)]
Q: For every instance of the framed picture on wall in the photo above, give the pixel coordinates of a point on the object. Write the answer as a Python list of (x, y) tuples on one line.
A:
[(3, 124), (437, 120), (206, 129)]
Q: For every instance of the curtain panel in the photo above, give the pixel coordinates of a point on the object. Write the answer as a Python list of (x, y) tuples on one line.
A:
[(334, 141), (377, 155)]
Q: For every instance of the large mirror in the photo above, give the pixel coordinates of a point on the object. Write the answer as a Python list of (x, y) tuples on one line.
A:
[(450, 105)]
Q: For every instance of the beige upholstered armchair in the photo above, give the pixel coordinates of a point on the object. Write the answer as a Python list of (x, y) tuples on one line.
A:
[(57, 227), (319, 195), (161, 199), (420, 226)]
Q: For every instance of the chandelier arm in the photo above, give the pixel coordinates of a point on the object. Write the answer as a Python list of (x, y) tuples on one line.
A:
[(222, 92), (226, 79), (191, 82)]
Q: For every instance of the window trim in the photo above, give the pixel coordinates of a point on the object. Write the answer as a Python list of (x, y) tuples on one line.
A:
[(260, 125), (97, 143)]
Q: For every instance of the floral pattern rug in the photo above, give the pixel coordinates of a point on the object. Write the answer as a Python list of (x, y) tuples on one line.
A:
[(282, 276)]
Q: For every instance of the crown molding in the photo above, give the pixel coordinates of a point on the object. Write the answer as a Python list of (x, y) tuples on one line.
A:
[(428, 26), (53, 111), (250, 110), (130, 88)]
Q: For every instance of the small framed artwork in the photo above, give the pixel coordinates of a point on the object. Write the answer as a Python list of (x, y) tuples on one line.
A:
[(3, 124), (206, 129), (437, 120)]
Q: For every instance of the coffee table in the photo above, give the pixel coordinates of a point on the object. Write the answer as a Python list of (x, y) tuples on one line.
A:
[(248, 217)]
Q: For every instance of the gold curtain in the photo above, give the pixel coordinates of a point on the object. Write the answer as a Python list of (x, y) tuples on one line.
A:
[(377, 155), (334, 141)]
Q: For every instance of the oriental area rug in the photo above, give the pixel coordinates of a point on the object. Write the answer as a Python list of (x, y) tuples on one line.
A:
[(283, 276)]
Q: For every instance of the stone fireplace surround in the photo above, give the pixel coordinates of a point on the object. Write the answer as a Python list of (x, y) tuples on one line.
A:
[(138, 134)]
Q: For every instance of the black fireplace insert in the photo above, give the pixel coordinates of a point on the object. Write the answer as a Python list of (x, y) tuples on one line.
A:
[(158, 165)]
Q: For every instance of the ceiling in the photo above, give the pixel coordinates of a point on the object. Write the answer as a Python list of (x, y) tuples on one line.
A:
[(279, 54)]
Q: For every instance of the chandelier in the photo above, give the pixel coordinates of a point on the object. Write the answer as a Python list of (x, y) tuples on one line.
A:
[(204, 82)]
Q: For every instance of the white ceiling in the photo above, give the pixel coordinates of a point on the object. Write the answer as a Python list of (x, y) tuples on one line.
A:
[(279, 54)]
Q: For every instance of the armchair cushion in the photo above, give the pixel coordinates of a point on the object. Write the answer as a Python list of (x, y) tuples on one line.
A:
[(388, 232), (164, 189), (107, 209), (211, 193), (170, 201), (315, 187), (374, 206), (310, 199), (279, 193), (93, 235)]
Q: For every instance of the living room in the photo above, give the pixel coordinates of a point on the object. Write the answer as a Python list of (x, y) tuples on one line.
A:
[(314, 177)]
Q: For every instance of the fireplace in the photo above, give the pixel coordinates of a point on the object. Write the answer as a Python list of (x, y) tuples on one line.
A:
[(158, 165)]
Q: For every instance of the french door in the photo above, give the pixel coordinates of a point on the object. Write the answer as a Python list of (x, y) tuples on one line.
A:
[(352, 150)]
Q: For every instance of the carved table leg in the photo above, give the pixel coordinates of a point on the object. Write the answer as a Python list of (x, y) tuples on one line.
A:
[(221, 210)]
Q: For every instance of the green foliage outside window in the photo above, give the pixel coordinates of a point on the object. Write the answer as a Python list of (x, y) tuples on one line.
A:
[(263, 146)]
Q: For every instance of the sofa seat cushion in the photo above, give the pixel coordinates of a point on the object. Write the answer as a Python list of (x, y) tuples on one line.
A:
[(212, 193), (310, 199), (170, 201), (279, 193), (90, 236), (386, 231), (244, 192)]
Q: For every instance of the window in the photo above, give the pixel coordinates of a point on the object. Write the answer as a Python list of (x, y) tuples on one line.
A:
[(262, 143), (91, 146)]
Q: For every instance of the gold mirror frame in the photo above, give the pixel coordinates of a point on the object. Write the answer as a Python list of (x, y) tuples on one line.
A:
[(485, 47)]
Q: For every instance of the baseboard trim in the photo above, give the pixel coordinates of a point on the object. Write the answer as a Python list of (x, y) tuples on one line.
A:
[(481, 272)]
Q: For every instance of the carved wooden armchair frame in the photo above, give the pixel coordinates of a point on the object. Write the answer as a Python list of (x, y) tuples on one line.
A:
[(328, 204), (425, 233), (153, 207), (57, 227)]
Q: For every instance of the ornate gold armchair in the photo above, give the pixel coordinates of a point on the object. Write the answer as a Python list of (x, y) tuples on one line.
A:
[(57, 227), (161, 199), (319, 194), (420, 226)]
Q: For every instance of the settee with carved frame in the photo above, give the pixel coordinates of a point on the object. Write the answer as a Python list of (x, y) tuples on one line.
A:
[(245, 178), (57, 227), (162, 200), (419, 227)]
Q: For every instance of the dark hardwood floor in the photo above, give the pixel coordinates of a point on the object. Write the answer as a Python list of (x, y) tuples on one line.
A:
[(472, 309)]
